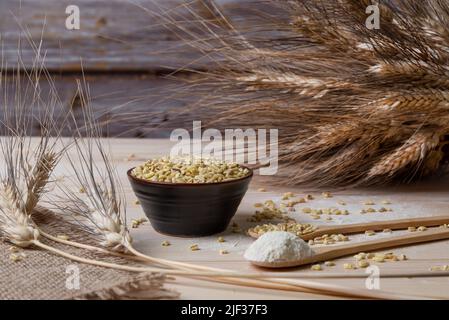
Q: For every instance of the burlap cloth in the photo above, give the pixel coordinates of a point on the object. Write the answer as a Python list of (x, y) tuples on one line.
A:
[(43, 275)]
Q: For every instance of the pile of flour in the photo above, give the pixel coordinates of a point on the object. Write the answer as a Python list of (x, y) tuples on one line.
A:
[(278, 246)]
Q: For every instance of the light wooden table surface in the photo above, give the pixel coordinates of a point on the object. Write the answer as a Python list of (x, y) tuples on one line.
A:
[(427, 198)]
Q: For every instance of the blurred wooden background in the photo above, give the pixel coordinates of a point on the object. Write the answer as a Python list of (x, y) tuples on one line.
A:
[(125, 49)]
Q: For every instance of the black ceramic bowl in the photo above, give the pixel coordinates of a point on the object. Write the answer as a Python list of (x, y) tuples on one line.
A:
[(187, 209)]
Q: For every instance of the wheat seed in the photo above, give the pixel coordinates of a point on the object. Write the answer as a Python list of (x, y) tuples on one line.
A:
[(363, 264), (379, 258), (15, 258), (194, 247), (360, 256), (402, 257), (135, 223), (236, 229), (287, 195), (316, 267)]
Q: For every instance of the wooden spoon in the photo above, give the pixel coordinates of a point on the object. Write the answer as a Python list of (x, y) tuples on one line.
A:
[(375, 226), (329, 253)]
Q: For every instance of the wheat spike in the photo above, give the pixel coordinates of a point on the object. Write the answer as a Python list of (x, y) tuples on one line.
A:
[(15, 224), (413, 151), (39, 179), (424, 101)]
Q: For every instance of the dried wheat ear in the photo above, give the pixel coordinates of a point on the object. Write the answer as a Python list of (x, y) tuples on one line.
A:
[(353, 105)]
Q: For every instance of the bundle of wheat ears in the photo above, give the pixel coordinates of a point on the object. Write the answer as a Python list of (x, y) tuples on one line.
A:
[(353, 105)]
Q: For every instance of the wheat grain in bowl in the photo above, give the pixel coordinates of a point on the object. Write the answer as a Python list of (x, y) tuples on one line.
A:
[(189, 197), (186, 169)]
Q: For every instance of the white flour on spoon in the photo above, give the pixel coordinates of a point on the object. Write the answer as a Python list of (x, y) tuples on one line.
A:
[(278, 246)]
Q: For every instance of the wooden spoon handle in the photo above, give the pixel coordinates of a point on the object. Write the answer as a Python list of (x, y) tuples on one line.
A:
[(379, 225), (329, 253), (388, 242), (376, 226)]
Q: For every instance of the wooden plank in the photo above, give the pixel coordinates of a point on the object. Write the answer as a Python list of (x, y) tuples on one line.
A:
[(119, 38), (115, 35), (129, 105)]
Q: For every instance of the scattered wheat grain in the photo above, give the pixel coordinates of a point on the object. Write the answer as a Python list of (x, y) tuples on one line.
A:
[(316, 267)]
